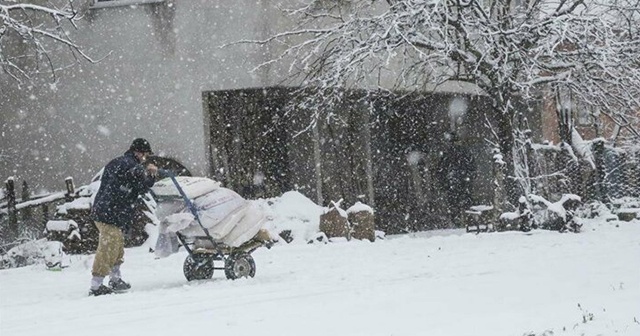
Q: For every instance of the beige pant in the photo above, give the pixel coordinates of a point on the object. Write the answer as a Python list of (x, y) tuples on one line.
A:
[(110, 249)]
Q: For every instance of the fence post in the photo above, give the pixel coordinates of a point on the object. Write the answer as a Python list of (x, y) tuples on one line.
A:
[(11, 207), (598, 151), (70, 189), (532, 164), (27, 213), (634, 174), (45, 212), (498, 185)]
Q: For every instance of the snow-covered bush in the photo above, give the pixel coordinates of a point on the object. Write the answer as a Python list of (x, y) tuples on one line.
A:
[(537, 212), (521, 219), (558, 216)]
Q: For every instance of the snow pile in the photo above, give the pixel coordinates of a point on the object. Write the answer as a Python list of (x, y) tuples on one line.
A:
[(40, 251), (557, 207), (292, 212)]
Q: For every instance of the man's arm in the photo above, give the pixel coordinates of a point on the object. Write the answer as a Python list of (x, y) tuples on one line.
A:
[(142, 178)]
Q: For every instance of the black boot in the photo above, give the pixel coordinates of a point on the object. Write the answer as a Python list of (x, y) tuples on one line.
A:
[(118, 285), (102, 290)]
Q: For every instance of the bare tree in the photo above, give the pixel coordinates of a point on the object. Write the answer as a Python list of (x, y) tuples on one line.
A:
[(511, 49), (25, 35)]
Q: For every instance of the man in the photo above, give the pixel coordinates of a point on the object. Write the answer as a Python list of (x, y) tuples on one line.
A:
[(123, 180)]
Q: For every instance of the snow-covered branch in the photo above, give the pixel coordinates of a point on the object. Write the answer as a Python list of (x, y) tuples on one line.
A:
[(511, 50), (25, 34), (500, 47)]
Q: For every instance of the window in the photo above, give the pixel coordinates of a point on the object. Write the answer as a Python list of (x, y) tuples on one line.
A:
[(115, 3), (582, 113)]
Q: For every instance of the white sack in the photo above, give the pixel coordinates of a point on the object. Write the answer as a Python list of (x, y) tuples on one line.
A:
[(247, 227), (227, 216)]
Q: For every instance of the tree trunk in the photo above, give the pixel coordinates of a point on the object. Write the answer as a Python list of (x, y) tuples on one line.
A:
[(506, 141)]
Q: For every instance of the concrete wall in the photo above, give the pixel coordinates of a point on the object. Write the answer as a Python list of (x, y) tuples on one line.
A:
[(159, 59)]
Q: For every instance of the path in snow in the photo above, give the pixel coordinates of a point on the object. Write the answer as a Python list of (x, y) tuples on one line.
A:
[(455, 285)]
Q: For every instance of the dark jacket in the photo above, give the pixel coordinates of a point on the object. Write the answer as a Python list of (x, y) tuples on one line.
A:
[(123, 180)]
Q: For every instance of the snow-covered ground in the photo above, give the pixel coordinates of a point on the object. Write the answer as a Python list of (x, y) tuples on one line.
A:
[(447, 283)]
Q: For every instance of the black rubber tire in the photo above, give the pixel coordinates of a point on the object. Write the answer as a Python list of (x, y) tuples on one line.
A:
[(198, 267), (239, 265)]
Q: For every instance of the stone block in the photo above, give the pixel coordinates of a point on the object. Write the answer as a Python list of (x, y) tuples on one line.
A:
[(334, 224)]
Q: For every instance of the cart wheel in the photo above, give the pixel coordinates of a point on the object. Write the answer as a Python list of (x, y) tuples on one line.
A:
[(239, 265), (198, 267)]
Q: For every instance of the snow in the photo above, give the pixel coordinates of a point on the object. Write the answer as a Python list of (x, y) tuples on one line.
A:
[(556, 207), (629, 211), (510, 215), (293, 212), (457, 110), (582, 147), (625, 202), (545, 147), (337, 206), (359, 207), (45, 254), (497, 158), (494, 284), (414, 157), (82, 203), (61, 225), (47, 199), (481, 208)]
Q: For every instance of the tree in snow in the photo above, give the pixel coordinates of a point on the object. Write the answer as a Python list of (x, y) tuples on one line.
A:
[(511, 49), (25, 33)]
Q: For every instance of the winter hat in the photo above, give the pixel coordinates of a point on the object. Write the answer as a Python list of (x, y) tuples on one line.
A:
[(141, 145)]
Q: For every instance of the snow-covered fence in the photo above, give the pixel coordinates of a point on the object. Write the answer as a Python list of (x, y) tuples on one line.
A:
[(555, 170), (599, 172), (25, 216), (621, 172)]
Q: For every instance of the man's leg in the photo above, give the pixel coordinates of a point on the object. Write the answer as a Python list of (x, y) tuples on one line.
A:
[(110, 252), (115, 270), (115, 277)]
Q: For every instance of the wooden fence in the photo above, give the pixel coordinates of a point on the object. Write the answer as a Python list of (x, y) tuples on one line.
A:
[(29, 213)]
